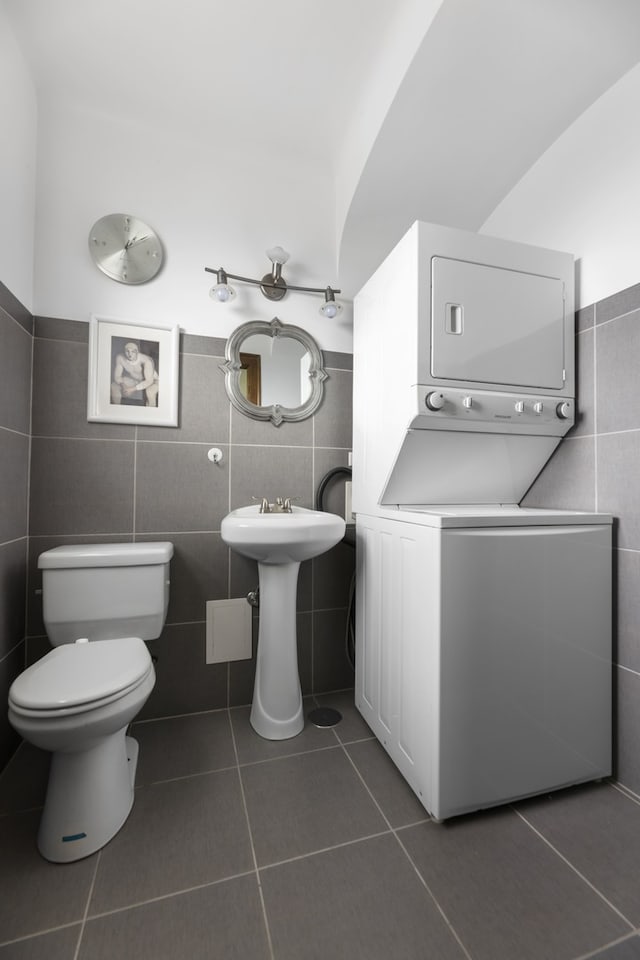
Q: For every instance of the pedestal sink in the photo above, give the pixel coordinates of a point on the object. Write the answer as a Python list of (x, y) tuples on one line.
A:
[(279, 541)]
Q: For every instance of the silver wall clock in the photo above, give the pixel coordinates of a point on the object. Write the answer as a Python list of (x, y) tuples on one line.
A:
[(125, 248)]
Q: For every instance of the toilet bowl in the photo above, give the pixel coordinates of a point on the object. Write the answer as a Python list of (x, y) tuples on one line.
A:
[(78, 700), (77, 703)]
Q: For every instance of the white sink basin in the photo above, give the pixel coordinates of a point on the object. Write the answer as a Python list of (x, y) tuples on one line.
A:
[(281, 537), (279, 542)]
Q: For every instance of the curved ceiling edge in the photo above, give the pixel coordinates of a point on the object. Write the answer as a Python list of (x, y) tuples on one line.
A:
[(490, 88)]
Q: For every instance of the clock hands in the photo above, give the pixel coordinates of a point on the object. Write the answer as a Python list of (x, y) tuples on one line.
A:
[(134, 240)]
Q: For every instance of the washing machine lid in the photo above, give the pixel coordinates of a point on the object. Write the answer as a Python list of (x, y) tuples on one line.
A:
[(81, 673)]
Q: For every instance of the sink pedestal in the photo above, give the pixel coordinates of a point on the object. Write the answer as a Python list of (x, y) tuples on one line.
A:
[(276, 712)]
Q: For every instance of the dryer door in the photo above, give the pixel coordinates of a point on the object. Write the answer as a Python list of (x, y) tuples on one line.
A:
[(495, 326)]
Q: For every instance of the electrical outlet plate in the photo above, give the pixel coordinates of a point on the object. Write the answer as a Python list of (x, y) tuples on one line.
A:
[(229, 630)]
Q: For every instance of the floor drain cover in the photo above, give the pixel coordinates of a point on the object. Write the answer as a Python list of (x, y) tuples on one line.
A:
[(325, 717)]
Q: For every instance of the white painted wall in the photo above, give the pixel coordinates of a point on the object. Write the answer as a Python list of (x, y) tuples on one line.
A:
[(583, 195), (209, 208), (17, 167)]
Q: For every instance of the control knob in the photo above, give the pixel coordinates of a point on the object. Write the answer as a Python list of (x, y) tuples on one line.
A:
[(519, 406), (564, 410), (467, 402), (435, 401), (538, 406)]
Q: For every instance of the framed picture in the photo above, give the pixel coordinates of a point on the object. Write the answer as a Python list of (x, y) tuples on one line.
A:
[(133, 373)]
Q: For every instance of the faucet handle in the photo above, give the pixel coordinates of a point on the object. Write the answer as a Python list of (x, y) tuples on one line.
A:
[(264, 504), (287, 504)]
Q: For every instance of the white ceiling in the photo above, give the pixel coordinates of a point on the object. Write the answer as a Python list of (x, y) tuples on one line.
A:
[(492, 85)]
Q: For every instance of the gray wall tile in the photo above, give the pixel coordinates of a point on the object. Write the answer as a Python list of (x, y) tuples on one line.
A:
[(203, 407), (618, 350), (333, 421), (60, 379), (628, 609), (14, 477), (331, 668), (585, 423), (627, 758), (263, 432), (585, 318), (81, 486), (184, 682), (13, 586), (10, 666), (618, 465), (618, 304), (15, 374), (12, 306), (257, 472), (179, 489), (57, 328), (568, 480)]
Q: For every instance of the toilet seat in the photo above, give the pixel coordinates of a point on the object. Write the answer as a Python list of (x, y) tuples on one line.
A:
[(77, 677)]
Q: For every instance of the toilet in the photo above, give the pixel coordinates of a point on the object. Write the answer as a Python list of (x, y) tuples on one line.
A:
[(100, 603)]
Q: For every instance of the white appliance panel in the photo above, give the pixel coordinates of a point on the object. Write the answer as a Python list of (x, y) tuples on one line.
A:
[(437, 466), (489, 675), (495, 325)]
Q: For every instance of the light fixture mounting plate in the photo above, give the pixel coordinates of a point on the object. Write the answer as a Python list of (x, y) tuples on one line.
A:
[(276, 289)]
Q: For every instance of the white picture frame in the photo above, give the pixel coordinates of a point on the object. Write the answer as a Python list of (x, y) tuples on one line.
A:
[(133, 373)]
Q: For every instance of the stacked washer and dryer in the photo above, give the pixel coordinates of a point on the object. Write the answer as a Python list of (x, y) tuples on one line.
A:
[(483, 648)]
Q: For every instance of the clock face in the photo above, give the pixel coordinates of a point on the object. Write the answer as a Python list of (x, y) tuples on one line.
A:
[(125, 248)]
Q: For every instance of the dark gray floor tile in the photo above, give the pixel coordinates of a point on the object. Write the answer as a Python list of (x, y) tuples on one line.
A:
[(223, 921), (37, 895), (253, 748), (359, 902), (178, 835), (506, 893), (180, 746), (396, 798), (352, 726), (23, 782), (57, 945), (598, 830), (627, 950), (301, 804)]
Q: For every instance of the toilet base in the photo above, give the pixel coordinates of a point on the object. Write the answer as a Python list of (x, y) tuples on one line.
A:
[(89, 797)]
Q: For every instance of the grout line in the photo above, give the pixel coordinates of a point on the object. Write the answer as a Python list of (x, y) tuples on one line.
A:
[(321, 850), (166, 896), (394, 831), (573, 868), (39, 933), (86, 908), (250, 832), (626, 791), (598, 952)]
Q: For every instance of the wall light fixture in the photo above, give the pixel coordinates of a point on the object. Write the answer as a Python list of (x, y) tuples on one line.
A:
[(273, 285)]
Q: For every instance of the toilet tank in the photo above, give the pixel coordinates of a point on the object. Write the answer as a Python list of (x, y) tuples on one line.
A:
[(105, 590)]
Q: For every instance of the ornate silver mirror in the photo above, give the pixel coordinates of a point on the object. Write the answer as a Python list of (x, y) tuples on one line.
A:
[(273, 371)]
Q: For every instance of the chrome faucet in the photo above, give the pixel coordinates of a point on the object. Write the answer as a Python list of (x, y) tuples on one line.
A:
[(281, 505)]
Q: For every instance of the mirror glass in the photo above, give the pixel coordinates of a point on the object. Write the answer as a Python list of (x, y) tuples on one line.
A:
[(273, 371)]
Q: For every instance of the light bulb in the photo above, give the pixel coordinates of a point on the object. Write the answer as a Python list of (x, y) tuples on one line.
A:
[(222, 293), (330, 308)]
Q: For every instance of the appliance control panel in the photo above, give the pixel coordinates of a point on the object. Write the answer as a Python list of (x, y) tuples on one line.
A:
[(484, 407)]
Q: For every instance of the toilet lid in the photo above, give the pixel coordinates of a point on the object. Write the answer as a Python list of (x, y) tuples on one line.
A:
[(80, 673)]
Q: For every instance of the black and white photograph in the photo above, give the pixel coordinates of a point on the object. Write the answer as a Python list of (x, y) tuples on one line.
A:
[(133, 373)]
